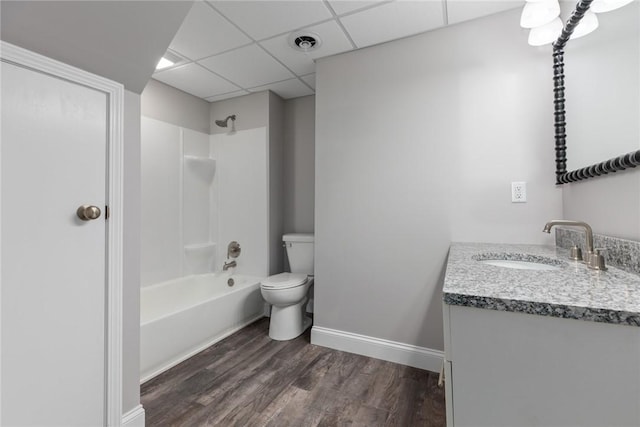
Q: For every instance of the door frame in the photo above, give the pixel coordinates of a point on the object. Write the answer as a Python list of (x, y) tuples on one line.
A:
[(114, 256)]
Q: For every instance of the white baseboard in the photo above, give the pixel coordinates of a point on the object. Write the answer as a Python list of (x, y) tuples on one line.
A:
[(404, 354), (134, 418)]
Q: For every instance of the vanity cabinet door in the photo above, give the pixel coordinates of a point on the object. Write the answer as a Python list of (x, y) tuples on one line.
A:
[(514, 369)]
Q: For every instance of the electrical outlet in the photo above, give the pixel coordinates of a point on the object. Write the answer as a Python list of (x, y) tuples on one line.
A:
[(518, 192)]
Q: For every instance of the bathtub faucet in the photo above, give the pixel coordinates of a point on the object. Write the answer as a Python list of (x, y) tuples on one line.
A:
[(228, 265)]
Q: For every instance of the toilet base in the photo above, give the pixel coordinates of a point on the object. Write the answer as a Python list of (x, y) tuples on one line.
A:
[(289, 322)]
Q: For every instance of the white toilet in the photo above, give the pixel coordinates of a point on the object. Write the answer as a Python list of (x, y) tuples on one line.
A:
[(287, 292)]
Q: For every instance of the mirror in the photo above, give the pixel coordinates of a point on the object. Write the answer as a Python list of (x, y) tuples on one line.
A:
[(597, 95)]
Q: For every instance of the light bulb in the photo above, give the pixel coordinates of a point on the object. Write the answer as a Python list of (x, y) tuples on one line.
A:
[(535, 14), (545, 34)]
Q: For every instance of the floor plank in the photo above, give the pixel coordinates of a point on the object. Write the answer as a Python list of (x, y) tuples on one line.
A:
[(250, 380)]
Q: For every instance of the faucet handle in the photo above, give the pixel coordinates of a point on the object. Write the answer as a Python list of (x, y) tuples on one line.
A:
[(576, 253), (596, 260)]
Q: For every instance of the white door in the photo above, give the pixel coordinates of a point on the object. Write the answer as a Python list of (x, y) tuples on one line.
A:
[(53, 159)]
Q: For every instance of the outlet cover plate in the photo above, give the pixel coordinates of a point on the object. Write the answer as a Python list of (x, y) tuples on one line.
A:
[(519, 192)]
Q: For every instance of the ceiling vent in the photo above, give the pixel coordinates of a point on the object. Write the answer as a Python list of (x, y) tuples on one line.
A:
[(304, 42)]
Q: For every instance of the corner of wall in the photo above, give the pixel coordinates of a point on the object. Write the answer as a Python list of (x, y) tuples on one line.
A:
[(276, 182), (131, 255)]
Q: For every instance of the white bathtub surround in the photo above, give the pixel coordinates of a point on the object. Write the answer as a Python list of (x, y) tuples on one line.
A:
[(178, 179), (242, 197), (184, 316), (199, 192)]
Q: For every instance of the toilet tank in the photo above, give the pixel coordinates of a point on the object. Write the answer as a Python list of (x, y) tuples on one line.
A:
[(299, 252)]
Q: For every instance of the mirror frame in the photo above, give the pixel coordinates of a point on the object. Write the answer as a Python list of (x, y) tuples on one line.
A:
[(623, 161)]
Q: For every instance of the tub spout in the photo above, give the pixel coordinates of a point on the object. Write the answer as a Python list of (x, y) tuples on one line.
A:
[(228, 265)]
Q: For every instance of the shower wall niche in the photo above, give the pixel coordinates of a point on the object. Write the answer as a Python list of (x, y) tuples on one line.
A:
[(199, 192)]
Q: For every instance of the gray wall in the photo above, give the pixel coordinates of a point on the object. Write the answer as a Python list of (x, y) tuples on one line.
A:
[(120, 40), (170, 105), (610, 204), (299, 164), (252, 111), (417, 143), (131, 255)]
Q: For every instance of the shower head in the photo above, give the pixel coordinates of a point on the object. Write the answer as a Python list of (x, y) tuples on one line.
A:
[(224, 123)]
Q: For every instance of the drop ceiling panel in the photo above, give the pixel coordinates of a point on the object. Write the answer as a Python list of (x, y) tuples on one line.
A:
[(391, 21), (333, 40), (345, 6), (233, 47), (310, 79), (292, 88), (194, 79), (247, 67), (205, 32), (465, 10), (263, 19)]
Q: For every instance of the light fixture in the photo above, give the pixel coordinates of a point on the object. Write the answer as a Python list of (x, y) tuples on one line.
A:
[(587, 24), (169, 59), (601, 6), (545, 34), (164, 63), (538, 13)]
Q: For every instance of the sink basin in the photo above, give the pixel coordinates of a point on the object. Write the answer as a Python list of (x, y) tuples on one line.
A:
[(519, 261), (520, 265)]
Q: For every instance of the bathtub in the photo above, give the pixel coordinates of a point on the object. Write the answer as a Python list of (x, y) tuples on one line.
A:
[(181, 317)]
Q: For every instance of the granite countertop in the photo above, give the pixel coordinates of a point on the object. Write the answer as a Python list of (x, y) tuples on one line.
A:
[(573, 291)]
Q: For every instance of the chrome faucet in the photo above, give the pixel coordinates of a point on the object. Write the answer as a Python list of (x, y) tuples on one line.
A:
[(228, 265), (594, 258)]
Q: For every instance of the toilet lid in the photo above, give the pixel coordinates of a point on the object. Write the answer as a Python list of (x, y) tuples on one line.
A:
[(284, 280)]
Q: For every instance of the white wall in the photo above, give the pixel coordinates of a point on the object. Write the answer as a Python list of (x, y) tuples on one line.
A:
[(299, 164), (417, 142)]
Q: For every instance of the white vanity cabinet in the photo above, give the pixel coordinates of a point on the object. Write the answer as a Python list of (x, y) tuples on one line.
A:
[(516, 369)]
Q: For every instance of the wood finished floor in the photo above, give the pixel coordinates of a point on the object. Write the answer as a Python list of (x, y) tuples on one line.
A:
[(249, 380)]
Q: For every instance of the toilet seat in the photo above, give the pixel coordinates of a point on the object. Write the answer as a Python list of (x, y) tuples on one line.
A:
[(284, 281)]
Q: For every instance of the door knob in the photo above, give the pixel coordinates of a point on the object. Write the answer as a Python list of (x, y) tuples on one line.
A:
[(88, 212)]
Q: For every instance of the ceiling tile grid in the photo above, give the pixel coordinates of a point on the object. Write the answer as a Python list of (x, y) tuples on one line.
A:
[(247, 66), (232, 48), (205, 32)]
